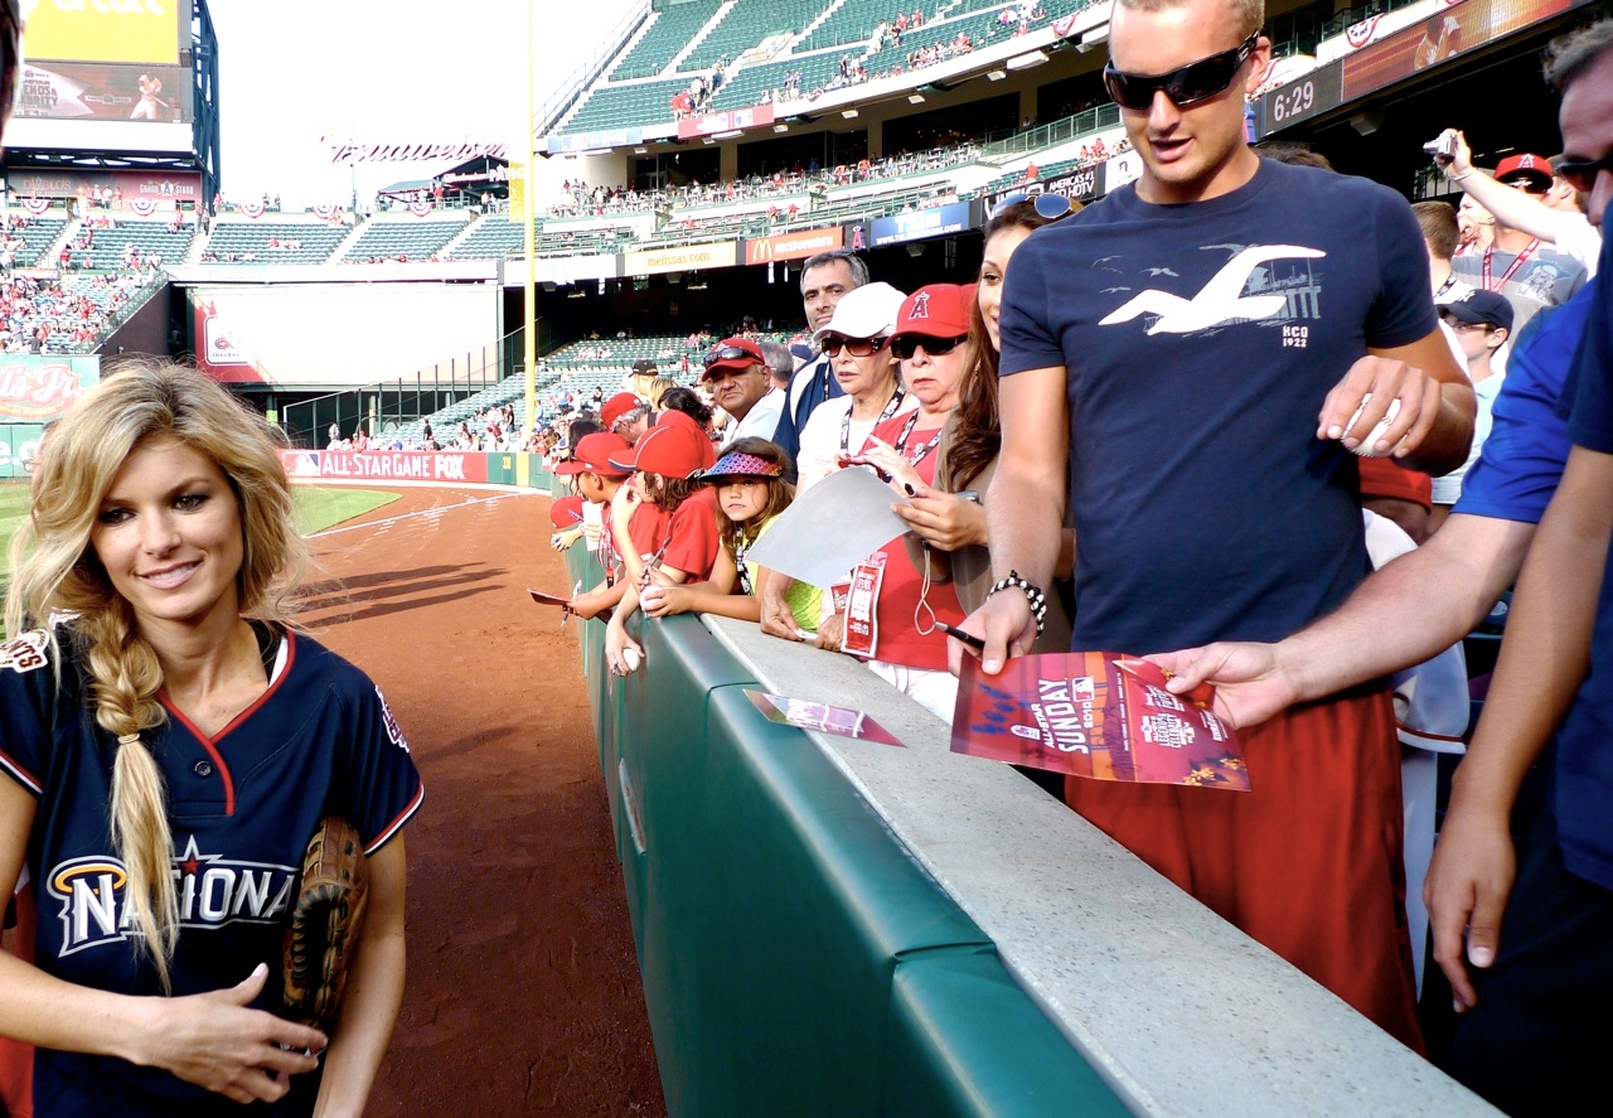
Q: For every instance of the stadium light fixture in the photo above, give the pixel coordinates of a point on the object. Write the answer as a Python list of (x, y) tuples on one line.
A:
[(915, 98), (729, 135), (709, 140), (641, 151), (996, 75), (1026, 61), (781, 127), (849, 114)]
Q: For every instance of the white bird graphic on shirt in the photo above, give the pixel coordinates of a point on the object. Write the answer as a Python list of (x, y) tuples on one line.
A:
[(1217, 301)]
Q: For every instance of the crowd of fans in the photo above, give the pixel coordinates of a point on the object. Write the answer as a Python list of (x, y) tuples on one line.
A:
[(906, 386)]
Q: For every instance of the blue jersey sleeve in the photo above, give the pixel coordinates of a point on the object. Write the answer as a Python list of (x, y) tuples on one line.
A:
[(1592, 423), (1404, 312), (380, 788), (27, 696), (1523, 458)]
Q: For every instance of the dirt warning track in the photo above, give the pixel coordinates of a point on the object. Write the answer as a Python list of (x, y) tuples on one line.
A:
[(523, 994)]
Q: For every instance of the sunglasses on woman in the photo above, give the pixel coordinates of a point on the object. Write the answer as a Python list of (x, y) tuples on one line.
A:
[(1049, 207), (907, 345), (857, 347), (1581, 174), (1195, 82)]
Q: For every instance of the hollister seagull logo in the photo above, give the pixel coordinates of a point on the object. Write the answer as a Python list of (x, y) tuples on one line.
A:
[(1219, 301)]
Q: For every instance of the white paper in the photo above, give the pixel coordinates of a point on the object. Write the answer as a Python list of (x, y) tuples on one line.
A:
[(830, 528)]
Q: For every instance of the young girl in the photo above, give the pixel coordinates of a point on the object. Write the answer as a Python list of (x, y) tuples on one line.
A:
[(665, 462), (751, 491)]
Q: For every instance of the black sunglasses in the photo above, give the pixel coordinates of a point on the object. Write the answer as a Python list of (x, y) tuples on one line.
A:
[(728, 353), (857, 347), (1195, 82), (907, 345), (1582, 175), (1049, 207)]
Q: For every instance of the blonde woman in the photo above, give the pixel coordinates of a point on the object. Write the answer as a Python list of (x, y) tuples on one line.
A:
[(168, 746)]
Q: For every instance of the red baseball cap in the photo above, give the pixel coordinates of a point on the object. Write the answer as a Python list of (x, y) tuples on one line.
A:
[(940, 310), (1535, 167), (684, 421), (734, 353), (666, 450), (593, 455), (566, 512), (618, 406)]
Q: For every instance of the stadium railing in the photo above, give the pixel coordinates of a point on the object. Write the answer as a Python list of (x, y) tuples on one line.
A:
[(831, 926)]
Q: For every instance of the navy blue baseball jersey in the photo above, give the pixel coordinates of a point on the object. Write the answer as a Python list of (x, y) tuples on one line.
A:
[(241, 803)]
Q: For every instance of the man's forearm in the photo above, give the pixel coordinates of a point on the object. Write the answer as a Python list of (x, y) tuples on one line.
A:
[(1513, 207), (1546, 653), (1411, 610), (1446, 446)]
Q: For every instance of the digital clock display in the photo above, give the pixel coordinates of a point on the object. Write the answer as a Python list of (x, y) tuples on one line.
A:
[(1316, 92)]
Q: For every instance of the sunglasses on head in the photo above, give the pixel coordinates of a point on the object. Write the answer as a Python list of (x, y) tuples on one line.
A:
[(1195, 82), (857, 347), (906, 346), (1581, 174), (1049, 207), (728, 353)]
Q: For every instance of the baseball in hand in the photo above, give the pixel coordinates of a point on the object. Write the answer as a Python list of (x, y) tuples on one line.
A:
[(631, 659), (1366, 447)]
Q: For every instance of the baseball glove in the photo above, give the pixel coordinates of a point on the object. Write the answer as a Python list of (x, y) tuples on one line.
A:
[(325, 923)]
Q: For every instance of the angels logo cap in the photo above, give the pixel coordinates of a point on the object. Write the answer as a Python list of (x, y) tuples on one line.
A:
[(668, 451), (940, 310)]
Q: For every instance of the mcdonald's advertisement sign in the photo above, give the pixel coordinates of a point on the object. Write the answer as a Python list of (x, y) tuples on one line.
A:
[(793, 246)]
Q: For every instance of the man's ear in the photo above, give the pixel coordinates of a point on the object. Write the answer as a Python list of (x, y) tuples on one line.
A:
[(1498, 337)]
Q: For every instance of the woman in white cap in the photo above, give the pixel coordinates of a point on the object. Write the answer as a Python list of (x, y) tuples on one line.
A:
[(854, 341)]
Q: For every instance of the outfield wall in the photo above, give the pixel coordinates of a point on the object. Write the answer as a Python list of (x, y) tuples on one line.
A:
[(445, 467), (829, 926)]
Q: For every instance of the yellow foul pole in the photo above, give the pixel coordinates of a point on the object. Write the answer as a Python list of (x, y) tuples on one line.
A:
[(529, 353)]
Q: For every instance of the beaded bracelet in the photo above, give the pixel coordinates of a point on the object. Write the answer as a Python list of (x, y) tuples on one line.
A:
[(1032, 592)]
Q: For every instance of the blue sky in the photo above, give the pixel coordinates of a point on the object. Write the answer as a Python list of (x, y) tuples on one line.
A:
[(293, 71)]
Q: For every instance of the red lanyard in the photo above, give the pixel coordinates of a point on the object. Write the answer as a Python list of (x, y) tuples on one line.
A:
[(891, 406), (907, 431), (1512, 269)]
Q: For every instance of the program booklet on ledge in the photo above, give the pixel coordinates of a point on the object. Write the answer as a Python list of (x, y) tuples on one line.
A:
[(1104, 715)]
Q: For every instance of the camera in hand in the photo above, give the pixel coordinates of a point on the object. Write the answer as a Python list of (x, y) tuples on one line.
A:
[(1442, 145)]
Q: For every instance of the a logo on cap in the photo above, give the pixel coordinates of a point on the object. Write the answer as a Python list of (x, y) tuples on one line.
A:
[(921, 306)]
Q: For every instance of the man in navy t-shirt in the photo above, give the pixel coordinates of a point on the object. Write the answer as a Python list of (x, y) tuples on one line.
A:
[(1186, 357), (1535, 1010)]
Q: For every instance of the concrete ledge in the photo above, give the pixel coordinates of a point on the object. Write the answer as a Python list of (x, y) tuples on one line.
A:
[(1181, 1012)]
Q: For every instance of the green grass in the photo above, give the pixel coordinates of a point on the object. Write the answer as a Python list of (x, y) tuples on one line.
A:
[(317, 509)]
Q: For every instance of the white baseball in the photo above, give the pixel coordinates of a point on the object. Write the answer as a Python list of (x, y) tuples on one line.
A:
[(1365, 447), (631, 659)]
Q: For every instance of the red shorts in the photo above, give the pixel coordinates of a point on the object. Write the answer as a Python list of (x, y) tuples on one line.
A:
[(17, 1059), (1309, 863)]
